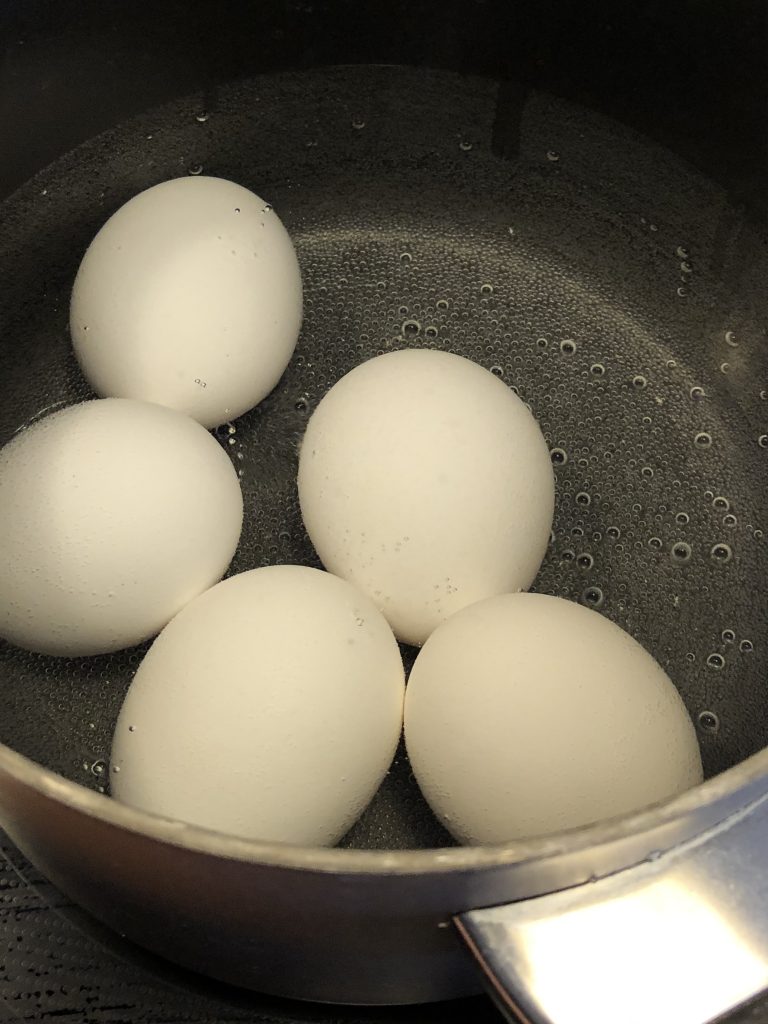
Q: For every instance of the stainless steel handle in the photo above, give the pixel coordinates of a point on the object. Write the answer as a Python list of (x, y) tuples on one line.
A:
[(680, 939)]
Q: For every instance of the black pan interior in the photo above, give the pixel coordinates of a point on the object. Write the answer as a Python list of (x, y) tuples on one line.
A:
[(618, 290)]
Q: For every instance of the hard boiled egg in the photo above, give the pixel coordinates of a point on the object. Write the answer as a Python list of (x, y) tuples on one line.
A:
[(189, 296), (527, 714), (114, 515), (426, 482), (269, 708)]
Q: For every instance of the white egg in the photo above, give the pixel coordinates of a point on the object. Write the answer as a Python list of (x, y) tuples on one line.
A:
[(189, 296), (270, 708), (115, 514), (426, 482), (526, 715)]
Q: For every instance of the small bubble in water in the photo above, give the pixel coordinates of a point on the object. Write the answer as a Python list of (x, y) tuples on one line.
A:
[(763, 395), (430, 332), (746, 646), (758, 534), (597, 369), (542, 342), (358, 123), (731, 339), (686, 267), (497, 371), (568, 555), (486, 289), (728, 636), (681, 552), (405, 257), (301, 404), (593, 597), (195, 169), (585, 560), (690, 656), (442, 303), (568, 346), (681, 252), (708, 721), (682, 518), (582, 498), (267, 208), (697, 393), (202, 117), (656, 543), (131, 728), (721, 553), (720, 503), (716, 661), (98, 768), (763, 440), (559, 456), (639, 381), (682, 291), (613, 532), (465, 145), (411, 328), (725, 367), (729, 520), (702, 440), (553, 156), (647, 472), (116, 768)]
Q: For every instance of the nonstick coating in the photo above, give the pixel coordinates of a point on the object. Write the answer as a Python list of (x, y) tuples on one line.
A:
[(618, 291)]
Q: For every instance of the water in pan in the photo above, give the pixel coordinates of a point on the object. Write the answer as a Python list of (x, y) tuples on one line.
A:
[(612, 288)]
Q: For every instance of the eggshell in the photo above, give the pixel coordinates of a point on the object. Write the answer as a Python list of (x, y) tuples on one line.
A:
[(526, 715), (115, 514), (270, 708), (426, 482), (189, 296)]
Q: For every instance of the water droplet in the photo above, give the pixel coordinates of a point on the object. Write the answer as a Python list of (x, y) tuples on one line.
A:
[(442, 303), (430, 332), (656, 543), (682, 518), (690, 656), (639, 381), (729, 520), (195, 169), (486, 289), (702, 440), (585, 561), (553, 156), (131, 728), (728, 636), (763, 395), (358, 123), (721, 553), (721, 504), (653, 227), (405, 257), (763, 440), (582, 498), (716, 661), (682, 291), (697, 393), (559, 456), (593, 597), (746, 647), (267, 208), (731, 339), (116, 768), (568, 555), (98, 768), (647, 472), (613, 532), (465, 145), (411, 328), (202, 117), (681, 552), (681, 252), (301, 404), (708, 721), (725, 367), (497, 371), (597, 369), (568, 346)]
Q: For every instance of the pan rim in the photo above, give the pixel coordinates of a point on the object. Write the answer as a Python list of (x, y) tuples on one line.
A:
[(703, 806)]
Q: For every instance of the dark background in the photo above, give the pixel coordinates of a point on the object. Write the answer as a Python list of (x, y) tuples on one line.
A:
[(692, 74)]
